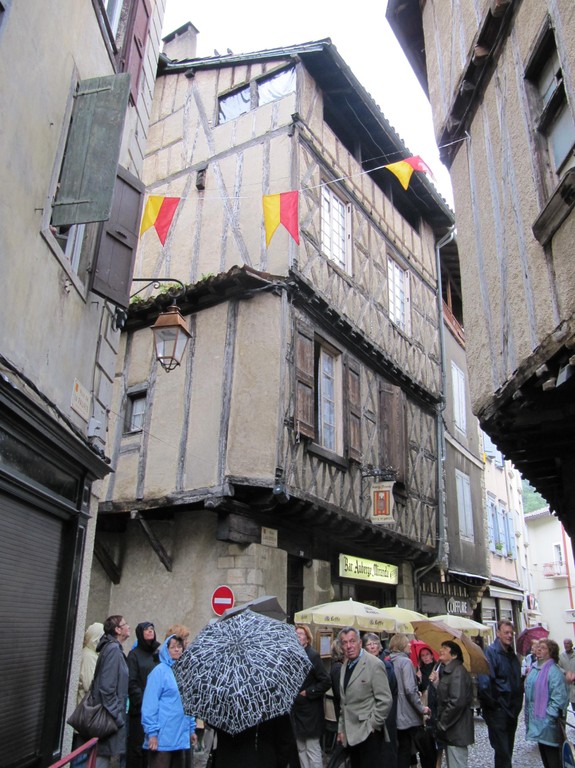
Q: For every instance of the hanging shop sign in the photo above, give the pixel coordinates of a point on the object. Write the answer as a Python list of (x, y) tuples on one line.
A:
[(351, 567), (382, 502)]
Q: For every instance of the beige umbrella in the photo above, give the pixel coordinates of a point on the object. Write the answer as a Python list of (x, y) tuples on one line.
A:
[(403, 618), (436, 632), (346, 613), (466, 625)]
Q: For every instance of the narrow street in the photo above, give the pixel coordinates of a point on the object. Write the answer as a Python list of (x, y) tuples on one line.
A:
[(526, 754)]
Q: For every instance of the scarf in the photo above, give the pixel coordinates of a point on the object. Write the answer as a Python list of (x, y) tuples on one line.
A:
[(541, 690)]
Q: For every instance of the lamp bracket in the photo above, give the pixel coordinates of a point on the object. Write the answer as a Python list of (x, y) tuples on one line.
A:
[(155, 281)]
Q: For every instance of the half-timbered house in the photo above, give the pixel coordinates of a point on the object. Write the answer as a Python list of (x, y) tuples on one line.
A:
[(313, 372), (500, 78)]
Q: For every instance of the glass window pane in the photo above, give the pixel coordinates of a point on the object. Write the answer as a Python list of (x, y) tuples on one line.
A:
[(234, 105), (562, 136), (278, 86)]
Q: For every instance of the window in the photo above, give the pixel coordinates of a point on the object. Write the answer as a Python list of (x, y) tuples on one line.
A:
[(553, 118), (492, 523), (398, 293), (459, 407), (491, 451), (329, 399), (464, 505), (256, 93), (327, 403), (90, 187), (335, 227), (558, 555), (113, 8), (135, 411), (124, 25)]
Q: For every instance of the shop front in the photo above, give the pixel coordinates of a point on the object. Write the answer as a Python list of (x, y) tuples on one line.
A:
[(367, 581)]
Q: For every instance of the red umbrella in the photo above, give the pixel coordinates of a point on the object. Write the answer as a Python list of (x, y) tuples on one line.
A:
[(416, 647), (524, 640)]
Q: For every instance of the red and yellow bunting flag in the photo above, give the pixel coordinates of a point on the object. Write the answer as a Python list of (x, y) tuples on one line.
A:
[(159, 213), (281, 209), (404, 168)]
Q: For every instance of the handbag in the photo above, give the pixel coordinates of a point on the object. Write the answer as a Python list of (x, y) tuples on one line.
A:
[(92, 720)]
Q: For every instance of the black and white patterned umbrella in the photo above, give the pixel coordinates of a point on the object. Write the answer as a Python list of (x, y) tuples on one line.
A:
[(242, 671)]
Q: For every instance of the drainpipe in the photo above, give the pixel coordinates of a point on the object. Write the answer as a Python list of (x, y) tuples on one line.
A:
[(569, 587), (419, 573)]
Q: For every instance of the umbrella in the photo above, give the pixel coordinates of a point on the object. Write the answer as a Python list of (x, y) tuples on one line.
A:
[(524, 640), (466, 625), (416, 646), (436, 632), (346, 613), (403, 618), (268, 605), (242, 671)]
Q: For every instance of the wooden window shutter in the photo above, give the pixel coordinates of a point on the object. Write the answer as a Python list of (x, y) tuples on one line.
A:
[(92, 151), (393, 429), (353, 405), (135, 45), (305, 381), (112, 275)]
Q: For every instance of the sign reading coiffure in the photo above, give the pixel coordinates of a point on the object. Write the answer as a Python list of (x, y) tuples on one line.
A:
[(351, 567)]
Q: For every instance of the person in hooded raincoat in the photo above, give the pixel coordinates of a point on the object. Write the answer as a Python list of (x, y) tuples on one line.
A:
[(141, 661), (89, 658), (168, 730)]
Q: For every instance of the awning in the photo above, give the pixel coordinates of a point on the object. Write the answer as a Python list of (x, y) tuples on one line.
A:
[(467, 575), (507, 594)]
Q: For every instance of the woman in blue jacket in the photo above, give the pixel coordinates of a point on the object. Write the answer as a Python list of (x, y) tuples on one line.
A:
[(169, 732), (546, 700)]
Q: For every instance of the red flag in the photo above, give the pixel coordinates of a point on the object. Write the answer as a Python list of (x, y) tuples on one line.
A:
[(403, 169), (159, 213), (281, 209)]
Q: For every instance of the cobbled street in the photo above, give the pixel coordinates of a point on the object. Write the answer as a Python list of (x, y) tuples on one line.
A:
[(526, 754)]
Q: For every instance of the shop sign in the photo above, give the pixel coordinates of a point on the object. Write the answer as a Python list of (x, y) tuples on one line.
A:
[(458, 607), (269, 537), (81, 400), (351, 567), (382, 503)]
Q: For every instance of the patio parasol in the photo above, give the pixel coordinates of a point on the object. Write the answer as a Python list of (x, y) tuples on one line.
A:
[(239, 672), (346, 613), (436, 632), (524, 640), (403, 618), (466, 625)]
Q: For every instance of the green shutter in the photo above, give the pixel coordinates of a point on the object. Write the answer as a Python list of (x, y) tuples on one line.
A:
[(92, 151)]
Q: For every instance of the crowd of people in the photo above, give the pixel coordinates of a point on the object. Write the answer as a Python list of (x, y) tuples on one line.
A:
[(392, 706)]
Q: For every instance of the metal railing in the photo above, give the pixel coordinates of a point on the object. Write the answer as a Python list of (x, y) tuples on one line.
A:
[(554, 569), (84, 756)]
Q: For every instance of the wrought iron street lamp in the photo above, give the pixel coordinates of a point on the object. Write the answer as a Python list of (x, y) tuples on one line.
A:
[(171, 334), (171, 337)]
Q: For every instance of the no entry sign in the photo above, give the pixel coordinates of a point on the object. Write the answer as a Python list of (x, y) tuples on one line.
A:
[(222, 599)]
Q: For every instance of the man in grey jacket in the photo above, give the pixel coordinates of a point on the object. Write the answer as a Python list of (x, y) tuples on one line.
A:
[(365, 702), (110, 688), (454, 698)]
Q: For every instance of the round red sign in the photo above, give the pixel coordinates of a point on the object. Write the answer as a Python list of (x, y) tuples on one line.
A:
[(222, 598)]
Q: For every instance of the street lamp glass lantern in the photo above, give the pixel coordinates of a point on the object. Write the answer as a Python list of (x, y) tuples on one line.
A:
[(171, 338)]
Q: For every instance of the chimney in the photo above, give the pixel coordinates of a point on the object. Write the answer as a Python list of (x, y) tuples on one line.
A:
[(182, 43)]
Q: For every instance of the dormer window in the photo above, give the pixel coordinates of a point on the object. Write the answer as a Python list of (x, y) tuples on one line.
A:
[(256, 93)]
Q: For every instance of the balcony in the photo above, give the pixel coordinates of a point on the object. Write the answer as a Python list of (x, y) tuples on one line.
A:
[(556, 570)]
